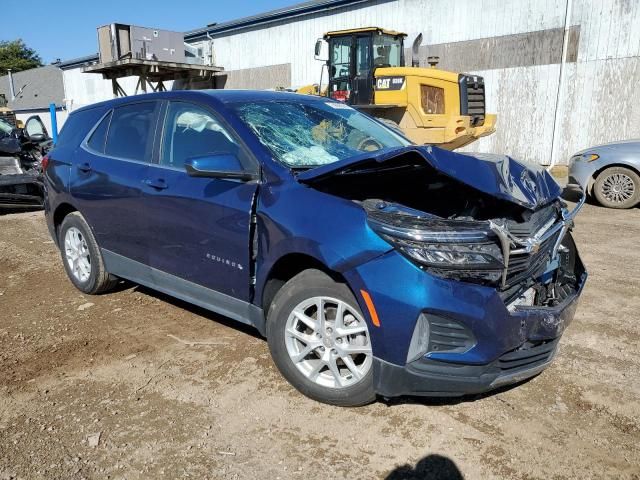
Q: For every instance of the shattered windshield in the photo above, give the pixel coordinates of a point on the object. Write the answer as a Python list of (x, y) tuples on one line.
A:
[(314, 134)]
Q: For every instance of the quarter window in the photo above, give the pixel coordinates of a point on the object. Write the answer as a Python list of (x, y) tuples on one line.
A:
[(131, 131), (191, 131), (99, 135)]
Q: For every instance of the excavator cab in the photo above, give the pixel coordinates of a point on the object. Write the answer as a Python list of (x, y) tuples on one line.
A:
[(354, 56)]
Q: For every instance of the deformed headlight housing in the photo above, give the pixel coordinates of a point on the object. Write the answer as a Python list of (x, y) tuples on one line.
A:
[(452, 249), (473, 256)]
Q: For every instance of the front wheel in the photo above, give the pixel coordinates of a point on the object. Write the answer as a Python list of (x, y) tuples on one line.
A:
[(319, 340), (617, 187)]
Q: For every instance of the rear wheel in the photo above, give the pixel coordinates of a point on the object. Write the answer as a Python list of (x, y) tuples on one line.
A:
[(617, 187), (320, 341), (81, 256)]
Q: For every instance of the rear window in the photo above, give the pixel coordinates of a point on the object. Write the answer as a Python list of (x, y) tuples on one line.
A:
[(131, 131), (77, 126)]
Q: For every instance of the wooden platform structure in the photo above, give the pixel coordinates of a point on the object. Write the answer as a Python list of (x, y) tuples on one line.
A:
[(150, 72)]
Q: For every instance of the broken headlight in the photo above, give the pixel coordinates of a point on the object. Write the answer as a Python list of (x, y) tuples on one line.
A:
[(457, 249), (480, 262), (473, 256)]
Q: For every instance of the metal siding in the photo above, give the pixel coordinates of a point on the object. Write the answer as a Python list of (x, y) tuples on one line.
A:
[(598, 101)]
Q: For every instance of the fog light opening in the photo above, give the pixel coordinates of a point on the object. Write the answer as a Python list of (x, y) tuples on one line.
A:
[(419, 340)]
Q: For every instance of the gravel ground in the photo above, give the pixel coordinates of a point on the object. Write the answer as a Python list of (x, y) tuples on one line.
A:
[(133, 384)]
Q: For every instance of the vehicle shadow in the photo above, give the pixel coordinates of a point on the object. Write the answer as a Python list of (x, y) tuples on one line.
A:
[(389, 402), (449, 401), (249, 330), (227, 322), (431, 467), (9, 210), (572, 193)]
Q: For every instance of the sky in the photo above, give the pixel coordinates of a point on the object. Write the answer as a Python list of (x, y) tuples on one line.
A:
[(66, 29)]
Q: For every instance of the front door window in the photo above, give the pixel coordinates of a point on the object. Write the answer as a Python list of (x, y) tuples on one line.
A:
[(192, 131)]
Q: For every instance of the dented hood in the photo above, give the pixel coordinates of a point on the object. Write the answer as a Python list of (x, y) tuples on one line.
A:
[(497, 175)]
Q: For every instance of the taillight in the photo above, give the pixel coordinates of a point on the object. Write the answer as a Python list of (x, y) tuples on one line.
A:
[(45, 162)]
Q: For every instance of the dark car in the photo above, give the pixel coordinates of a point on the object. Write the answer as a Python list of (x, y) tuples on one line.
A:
[(372, 266), (21, 154)]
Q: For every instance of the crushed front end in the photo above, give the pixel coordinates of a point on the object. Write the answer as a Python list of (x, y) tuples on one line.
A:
[(482, 275), (498, 297), (21, 184)]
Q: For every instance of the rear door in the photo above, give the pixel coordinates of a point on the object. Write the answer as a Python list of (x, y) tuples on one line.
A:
[(200, 228), (107, 178)]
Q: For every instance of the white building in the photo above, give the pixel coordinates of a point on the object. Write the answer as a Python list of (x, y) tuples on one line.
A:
[(562, 75)]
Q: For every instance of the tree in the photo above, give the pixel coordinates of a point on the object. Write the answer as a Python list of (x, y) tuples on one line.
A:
[(14, 54)]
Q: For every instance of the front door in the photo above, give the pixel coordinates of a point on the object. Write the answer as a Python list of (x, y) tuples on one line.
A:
[(199, 227)]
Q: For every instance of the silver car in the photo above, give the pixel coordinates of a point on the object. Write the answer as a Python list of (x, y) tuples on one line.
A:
[(610, 173)]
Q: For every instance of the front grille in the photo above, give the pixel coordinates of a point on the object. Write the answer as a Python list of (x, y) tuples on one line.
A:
[(528, 356), (472, 98), (530, 264)]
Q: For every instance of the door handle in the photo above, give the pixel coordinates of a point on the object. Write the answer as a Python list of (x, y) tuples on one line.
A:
[(158, 184), (84, 167)]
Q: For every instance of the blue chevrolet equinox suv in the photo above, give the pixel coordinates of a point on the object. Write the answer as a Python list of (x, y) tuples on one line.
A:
[(372, 266)]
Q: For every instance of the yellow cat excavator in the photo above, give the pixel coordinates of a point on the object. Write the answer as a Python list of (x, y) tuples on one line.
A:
[(366, 69)]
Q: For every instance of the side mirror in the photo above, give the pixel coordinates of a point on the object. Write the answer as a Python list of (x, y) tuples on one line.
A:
[(223, 165), (319, 53)]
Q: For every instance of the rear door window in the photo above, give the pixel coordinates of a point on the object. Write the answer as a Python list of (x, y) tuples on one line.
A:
[(131, 131)]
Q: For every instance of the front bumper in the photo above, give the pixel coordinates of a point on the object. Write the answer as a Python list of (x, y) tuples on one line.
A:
[(507, 344), (429, 377), (581, 173)]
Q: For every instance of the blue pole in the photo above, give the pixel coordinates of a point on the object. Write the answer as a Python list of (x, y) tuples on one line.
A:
[(54, 122)]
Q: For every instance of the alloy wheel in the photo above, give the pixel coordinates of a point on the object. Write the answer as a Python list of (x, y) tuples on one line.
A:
[(76, 252), (328, 341), (618, 188)]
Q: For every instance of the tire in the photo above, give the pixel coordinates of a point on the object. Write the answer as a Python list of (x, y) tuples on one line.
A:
[(352, 385), (617, 187), (75, 236)]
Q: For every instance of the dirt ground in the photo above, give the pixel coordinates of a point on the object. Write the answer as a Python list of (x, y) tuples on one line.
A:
[(134, 384)]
